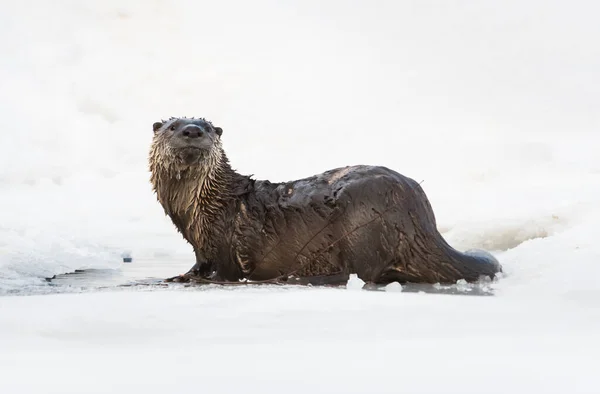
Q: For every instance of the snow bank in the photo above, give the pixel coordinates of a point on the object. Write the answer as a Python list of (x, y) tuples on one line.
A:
[(491, 104)]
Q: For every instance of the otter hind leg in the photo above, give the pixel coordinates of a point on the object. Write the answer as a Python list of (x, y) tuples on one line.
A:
[(396, 274)]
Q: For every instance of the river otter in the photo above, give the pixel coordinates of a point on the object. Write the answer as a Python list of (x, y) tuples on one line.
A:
[(364, 220)]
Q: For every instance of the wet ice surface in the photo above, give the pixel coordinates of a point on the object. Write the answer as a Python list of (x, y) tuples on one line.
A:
[(141, 273), (150, 275)]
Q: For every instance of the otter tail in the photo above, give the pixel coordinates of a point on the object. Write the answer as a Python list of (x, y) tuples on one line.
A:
[(474, 263)]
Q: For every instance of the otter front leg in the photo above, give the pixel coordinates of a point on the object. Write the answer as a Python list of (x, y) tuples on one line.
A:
[(203, 269)]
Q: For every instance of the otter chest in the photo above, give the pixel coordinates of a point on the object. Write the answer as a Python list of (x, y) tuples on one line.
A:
[(197, 223)]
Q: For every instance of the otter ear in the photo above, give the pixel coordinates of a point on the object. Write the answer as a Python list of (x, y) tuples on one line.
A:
[(156, 126), (219, 131)]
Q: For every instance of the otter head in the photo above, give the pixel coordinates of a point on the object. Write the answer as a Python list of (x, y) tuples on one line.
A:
[(181, 143)]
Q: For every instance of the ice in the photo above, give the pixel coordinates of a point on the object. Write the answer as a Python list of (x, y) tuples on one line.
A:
[(355, 283), (393, 287), (310, 340), (491, 105)]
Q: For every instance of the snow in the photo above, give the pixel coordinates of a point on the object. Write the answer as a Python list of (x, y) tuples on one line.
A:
[(493, 105), (294, 340)]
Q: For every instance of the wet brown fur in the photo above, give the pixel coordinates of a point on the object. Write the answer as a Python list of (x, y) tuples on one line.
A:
[(367, 220)]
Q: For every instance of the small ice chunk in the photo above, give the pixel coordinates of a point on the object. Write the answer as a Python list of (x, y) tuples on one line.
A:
[(463, 285), (354, 283), (393, 287)]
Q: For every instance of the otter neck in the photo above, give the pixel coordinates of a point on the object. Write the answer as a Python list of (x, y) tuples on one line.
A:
[(195, 198)]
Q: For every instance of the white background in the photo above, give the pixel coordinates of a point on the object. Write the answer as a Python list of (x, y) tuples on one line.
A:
[(494, 105)]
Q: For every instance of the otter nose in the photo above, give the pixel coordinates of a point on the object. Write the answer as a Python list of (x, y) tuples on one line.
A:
[(192, 131)]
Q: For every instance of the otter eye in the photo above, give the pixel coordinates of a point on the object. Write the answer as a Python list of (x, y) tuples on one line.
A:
[(172, 127)]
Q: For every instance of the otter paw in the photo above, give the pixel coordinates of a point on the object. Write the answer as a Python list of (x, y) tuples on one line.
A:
[(178, 279), (188, 277)]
